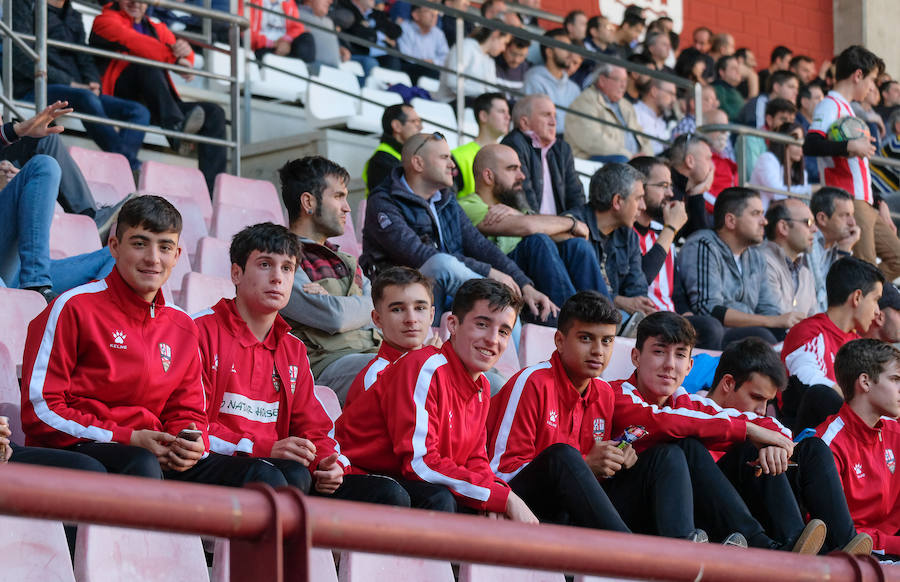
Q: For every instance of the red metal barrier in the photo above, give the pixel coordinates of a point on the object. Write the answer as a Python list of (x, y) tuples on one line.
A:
[(265, 523)]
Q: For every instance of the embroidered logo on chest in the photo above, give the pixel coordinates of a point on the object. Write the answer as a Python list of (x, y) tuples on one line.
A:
[(118, 340), (858, 471), (293, 372), (889, 459), (599, 429), (165, 355), (553, 419)]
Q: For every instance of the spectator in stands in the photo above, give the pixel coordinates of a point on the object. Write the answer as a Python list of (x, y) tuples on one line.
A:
[(783, 84), (695, 66), (492, 113), (444, 463), (281, 36), (552, 79), (575, 27), (659, 47), (846, 165), (808, 97), (73, 77), (328, 49), (601, 35), (652, 110), (604, 100), (543, 155), (782, 167), (749, 86), (693, 172), (738, 295), (511, 65), (479, 51), (790, 228), (863, 437), (865, 110), (886, 325), (804, 67), (403, 312), (837, 233), (498, 9), (287, 425), (637, 79), (729, 77), (331, 301), (780, 60), (552, 250), (629, 32), (886, 179), (890, 99), (748, 376), (361, 18), (124, 27), (448, 23), (779, 112), (688, 123), (573, 466), (702, 37), (413, 220), (722, 46), (723, 158), (423, 39), (179, 20), (854, 291), (398, 124)]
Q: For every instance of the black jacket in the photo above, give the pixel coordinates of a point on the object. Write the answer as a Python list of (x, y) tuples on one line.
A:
[(567, 189), (352, 21)]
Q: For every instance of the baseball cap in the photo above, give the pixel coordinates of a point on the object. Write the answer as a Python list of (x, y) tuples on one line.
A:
[(890, 297)]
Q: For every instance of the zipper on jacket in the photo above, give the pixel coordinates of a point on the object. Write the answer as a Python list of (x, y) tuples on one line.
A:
[(479, 395), (152, 310)]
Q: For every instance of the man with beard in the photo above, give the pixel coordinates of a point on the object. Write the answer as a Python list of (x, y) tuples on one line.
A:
[(552, 78), (655, 104), (552, 250)]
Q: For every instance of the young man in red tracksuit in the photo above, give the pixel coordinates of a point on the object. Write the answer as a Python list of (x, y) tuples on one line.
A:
[(112, 371), (403, 311), (260, 392), (864, 437), (547, 436), (423, 421), (854, 290), (653, 396)]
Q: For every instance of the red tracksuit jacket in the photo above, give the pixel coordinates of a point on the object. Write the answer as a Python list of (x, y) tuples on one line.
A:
[(424, 419), (866, 462), (259, 392), (539, 407), (367, 376), (100, 362), (809, 349)]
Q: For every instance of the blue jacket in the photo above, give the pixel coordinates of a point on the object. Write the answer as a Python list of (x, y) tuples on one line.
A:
[(400, 229)]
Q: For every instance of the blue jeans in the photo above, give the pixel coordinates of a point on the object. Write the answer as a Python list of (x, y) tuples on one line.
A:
[(448, 273), (610, 159), (124, 141), (71, 272)]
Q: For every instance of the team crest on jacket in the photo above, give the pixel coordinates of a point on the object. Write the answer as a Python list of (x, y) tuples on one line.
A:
[(889, 459), (599, 429), (293, 371), (165, 355)]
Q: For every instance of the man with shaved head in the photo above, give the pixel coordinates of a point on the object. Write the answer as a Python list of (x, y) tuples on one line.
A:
[(413, 220), (552, 250)]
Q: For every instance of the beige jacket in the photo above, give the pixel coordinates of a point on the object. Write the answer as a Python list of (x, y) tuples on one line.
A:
[(591, 138), (778, 277)]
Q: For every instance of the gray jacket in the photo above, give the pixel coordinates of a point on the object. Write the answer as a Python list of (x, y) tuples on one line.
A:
[(710, 282), (781, 281), (820, 260)]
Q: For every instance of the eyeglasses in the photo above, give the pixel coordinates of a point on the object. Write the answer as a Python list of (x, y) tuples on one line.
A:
[(437, 136), (663, 185), (807, 221)]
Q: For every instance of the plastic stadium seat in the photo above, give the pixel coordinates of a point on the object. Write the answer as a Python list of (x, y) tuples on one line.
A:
[(470, 125), (193, 225), (182, 267), (429, 84), (585, 170), (199, 291), (17, 308), (381, 78), (536, 344), (487, 573), (508, 364), (323, 103), (362, 567), (321, 564), (229, 220), (443, 330), (329, 401), (348, 242), (620, 365), (439, 117), (179, 181), (10, 396), (220, 62), (369, 118), (267, 82), (247, 193), (212, 257), (353, 67), (73, 234), (34, 550), (113, 554), (104, 194), (112, 169)]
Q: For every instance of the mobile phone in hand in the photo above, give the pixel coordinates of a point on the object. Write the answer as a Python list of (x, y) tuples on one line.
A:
[(190, 434)]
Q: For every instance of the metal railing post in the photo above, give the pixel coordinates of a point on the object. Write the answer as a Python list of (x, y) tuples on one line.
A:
[(460, 82), (7, 57), (40, 45), (234, 86), (698, 104), (248, 94), (741, 155)]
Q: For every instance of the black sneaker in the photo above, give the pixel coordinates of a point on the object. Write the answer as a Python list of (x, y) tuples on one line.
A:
[(105, 216), (45, 291)]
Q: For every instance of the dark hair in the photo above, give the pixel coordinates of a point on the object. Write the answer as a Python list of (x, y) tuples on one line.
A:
[(885, 86), (587, 306), (486, 5), (779, 78), (594, 22), (805, 91), (779, 105), (645, 164), (862, 356), (401, 277), (265, 237), (552, 33), (498, 296), (570, 17), (391, 113), (150, 212), (684, 65), (855, 58), (631, 20), (481, 33), (741, 53), (777, 212), (519, 42), (307, 175), (823, 199), (779, 52), (722, 63), (792, 173), (670, 328), (742, 358), (731, 201), (719, 41), (702, 29), (613, 178), (848, 274), (641, 59), (485, 101)]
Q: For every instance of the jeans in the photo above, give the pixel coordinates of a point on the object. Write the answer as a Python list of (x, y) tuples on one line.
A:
[(124, 141), (448, 273), (71, 272), (610, 159)]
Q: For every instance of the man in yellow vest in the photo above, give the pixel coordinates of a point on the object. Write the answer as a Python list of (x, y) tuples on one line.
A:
[(492, 113), (399, 123)]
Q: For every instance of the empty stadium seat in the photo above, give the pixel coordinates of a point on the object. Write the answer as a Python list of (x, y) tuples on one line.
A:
[(362, 567), (34, 550), (193, 225), (10, 396), (248, 193), (220, 62), (620, 365), (325, 104), (353, 67), (199, 291), (381, 78), (348, 242), (321, 564), (229, 220), (536, 344), (487, 573), (168, 180), (369, 118), (470, 125), (439, 117), (114, 554), (17, 308), (429, 84), (585, 170), (182, 267), (212, 257), (508, 364), (104, 194), (73, 234), (329, 401), (109, 168), (267, 82)]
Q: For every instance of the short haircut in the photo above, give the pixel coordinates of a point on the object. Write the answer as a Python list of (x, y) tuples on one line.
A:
[(552, 33), (731, 201), (862, 356), (645, 164), (805, 91), (264, 237), (588, 307), (485, 101), (722, 63), (681, 147), (719, 41), (884, 87), (823, 199), (524, 106), (780, 78), (487, 5), (519, 42), (594, 22), (779, 52), (779, 105), (307, 175), (705, 29), (498, 296), (654, 36), (855, 58), (670, 328), (150, 212), (641, 59), (571, 16), (631, 20), (744, 357), (797, 59), (393, 112), (612, 179), (777, 212), (892, 121), (401, 277), (848, 274)]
